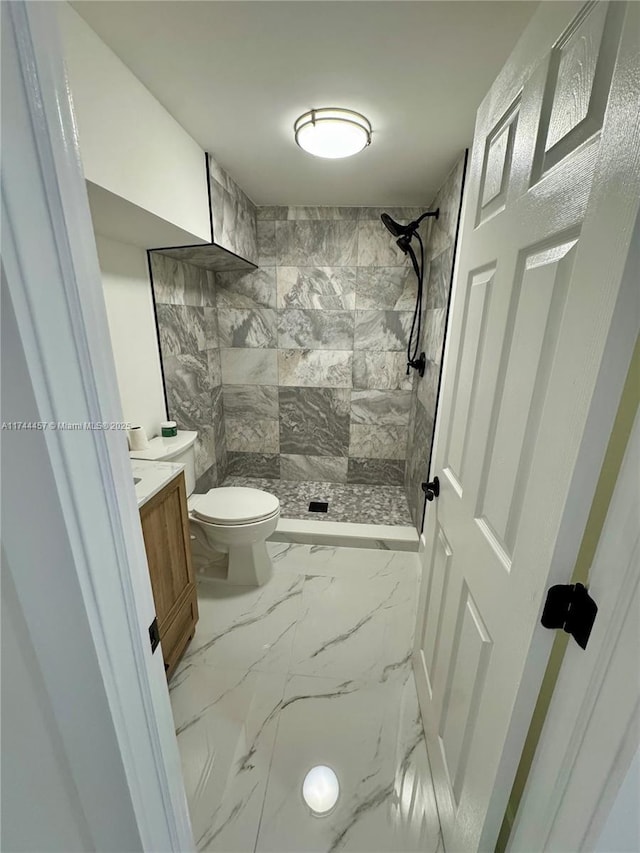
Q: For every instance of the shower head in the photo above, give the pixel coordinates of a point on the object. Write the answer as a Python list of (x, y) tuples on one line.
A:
[(391, 225), (405, 230)]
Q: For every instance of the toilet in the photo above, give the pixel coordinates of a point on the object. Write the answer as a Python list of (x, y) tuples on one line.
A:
[(229, 525)]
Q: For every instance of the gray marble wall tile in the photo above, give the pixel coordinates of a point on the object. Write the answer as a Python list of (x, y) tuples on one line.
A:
[(427, 390), (316, 243), (189, 412), (377, 247), (252, 435), (246, 290), (234, 220), (381, 370), (249, 366), (388, 288), (314, 421), (187, 374), (317, 469), (418, 462), (313, 329), (378, 442), (271, 212), (434, 333), (211, 328), (214, 367), (325, 213), (317, 368), (250, 401), (220, 432), (382, 330), (219, 174), (330, 288), (443, 230), (208, 480), (205, 448), (265, 465), (179, 283), (266, 243), (439, 279), (209, 257), (182, 328), (255, 327), (380, 408), (376, 472)]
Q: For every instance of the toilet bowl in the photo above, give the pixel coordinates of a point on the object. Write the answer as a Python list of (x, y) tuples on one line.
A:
[(229, 525), (233, 522)]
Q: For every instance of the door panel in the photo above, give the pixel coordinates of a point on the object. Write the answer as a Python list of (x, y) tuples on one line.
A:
[(467, 670), (473, 331), (436, 593), (538, 298), (532, 320)]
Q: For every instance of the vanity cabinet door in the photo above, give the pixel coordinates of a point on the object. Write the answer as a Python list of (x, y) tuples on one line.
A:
[(165, 527)]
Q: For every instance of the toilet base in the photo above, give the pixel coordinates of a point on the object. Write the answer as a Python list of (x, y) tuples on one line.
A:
[(249, 565)]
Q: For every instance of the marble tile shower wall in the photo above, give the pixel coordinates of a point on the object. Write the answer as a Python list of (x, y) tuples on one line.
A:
[(188, 328), (233, 214), (312, 348), (440, 249)]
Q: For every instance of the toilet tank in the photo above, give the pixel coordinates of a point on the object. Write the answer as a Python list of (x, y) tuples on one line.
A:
[(179, 449)]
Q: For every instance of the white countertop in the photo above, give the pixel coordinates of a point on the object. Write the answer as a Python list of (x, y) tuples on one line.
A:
[(154, 476)]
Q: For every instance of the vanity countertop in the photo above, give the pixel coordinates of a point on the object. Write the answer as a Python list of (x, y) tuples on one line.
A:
[(154, 476)]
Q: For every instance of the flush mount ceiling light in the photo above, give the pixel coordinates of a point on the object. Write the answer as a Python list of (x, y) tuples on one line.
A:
[(320, 789), (332, 132)]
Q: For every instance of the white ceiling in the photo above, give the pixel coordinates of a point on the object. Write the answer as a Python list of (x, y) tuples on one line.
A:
[(237, 74)]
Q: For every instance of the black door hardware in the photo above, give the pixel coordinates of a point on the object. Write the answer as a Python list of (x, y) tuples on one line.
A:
[(154, 635), (432, 489), (570, 607)]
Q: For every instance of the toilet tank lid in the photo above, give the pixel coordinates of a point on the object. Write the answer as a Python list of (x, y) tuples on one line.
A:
[(235, 505), (162, 449)]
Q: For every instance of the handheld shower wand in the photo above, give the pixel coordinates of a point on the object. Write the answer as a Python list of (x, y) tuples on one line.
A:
[(405, 234)]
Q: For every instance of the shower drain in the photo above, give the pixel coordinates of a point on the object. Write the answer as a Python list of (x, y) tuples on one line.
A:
[(319, 506)]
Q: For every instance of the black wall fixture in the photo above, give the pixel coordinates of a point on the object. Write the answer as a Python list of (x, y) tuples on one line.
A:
[(405, 234)]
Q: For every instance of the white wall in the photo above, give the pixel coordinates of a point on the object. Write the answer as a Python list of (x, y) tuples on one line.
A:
[(130, 145), (34, 770), (621, 832), (127, 292)]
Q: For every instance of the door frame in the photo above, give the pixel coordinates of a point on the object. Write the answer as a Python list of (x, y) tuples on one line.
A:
[(53, 283), (619, 346)]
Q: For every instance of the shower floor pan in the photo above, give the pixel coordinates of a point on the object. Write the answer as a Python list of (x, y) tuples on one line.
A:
[(356, 515)]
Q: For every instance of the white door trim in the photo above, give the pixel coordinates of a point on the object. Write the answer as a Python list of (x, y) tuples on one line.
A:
[(53, 280)]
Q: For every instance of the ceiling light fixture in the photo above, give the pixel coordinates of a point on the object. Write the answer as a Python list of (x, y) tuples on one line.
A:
[(320, 789), (332, 132)]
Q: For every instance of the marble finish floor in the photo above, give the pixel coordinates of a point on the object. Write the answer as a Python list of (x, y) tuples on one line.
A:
[(313, 668), (348, 502)]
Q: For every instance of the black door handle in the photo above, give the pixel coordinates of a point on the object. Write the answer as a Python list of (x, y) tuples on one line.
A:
[(432, 489)]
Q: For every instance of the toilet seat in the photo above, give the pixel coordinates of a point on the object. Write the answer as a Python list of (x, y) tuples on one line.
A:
[(234, 506)]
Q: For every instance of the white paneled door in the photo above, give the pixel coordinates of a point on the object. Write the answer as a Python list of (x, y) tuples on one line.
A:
[(542, 327)]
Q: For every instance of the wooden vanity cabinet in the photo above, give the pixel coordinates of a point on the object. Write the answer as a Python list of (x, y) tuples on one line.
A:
[(165, 527)]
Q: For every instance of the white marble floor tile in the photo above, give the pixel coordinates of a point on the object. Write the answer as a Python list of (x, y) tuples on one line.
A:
[(248, 628), (345, 625), (313, 668), (370, 735), (226, 722), (330, 561)]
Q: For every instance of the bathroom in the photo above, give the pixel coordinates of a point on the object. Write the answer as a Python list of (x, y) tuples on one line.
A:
[(279, 357)]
